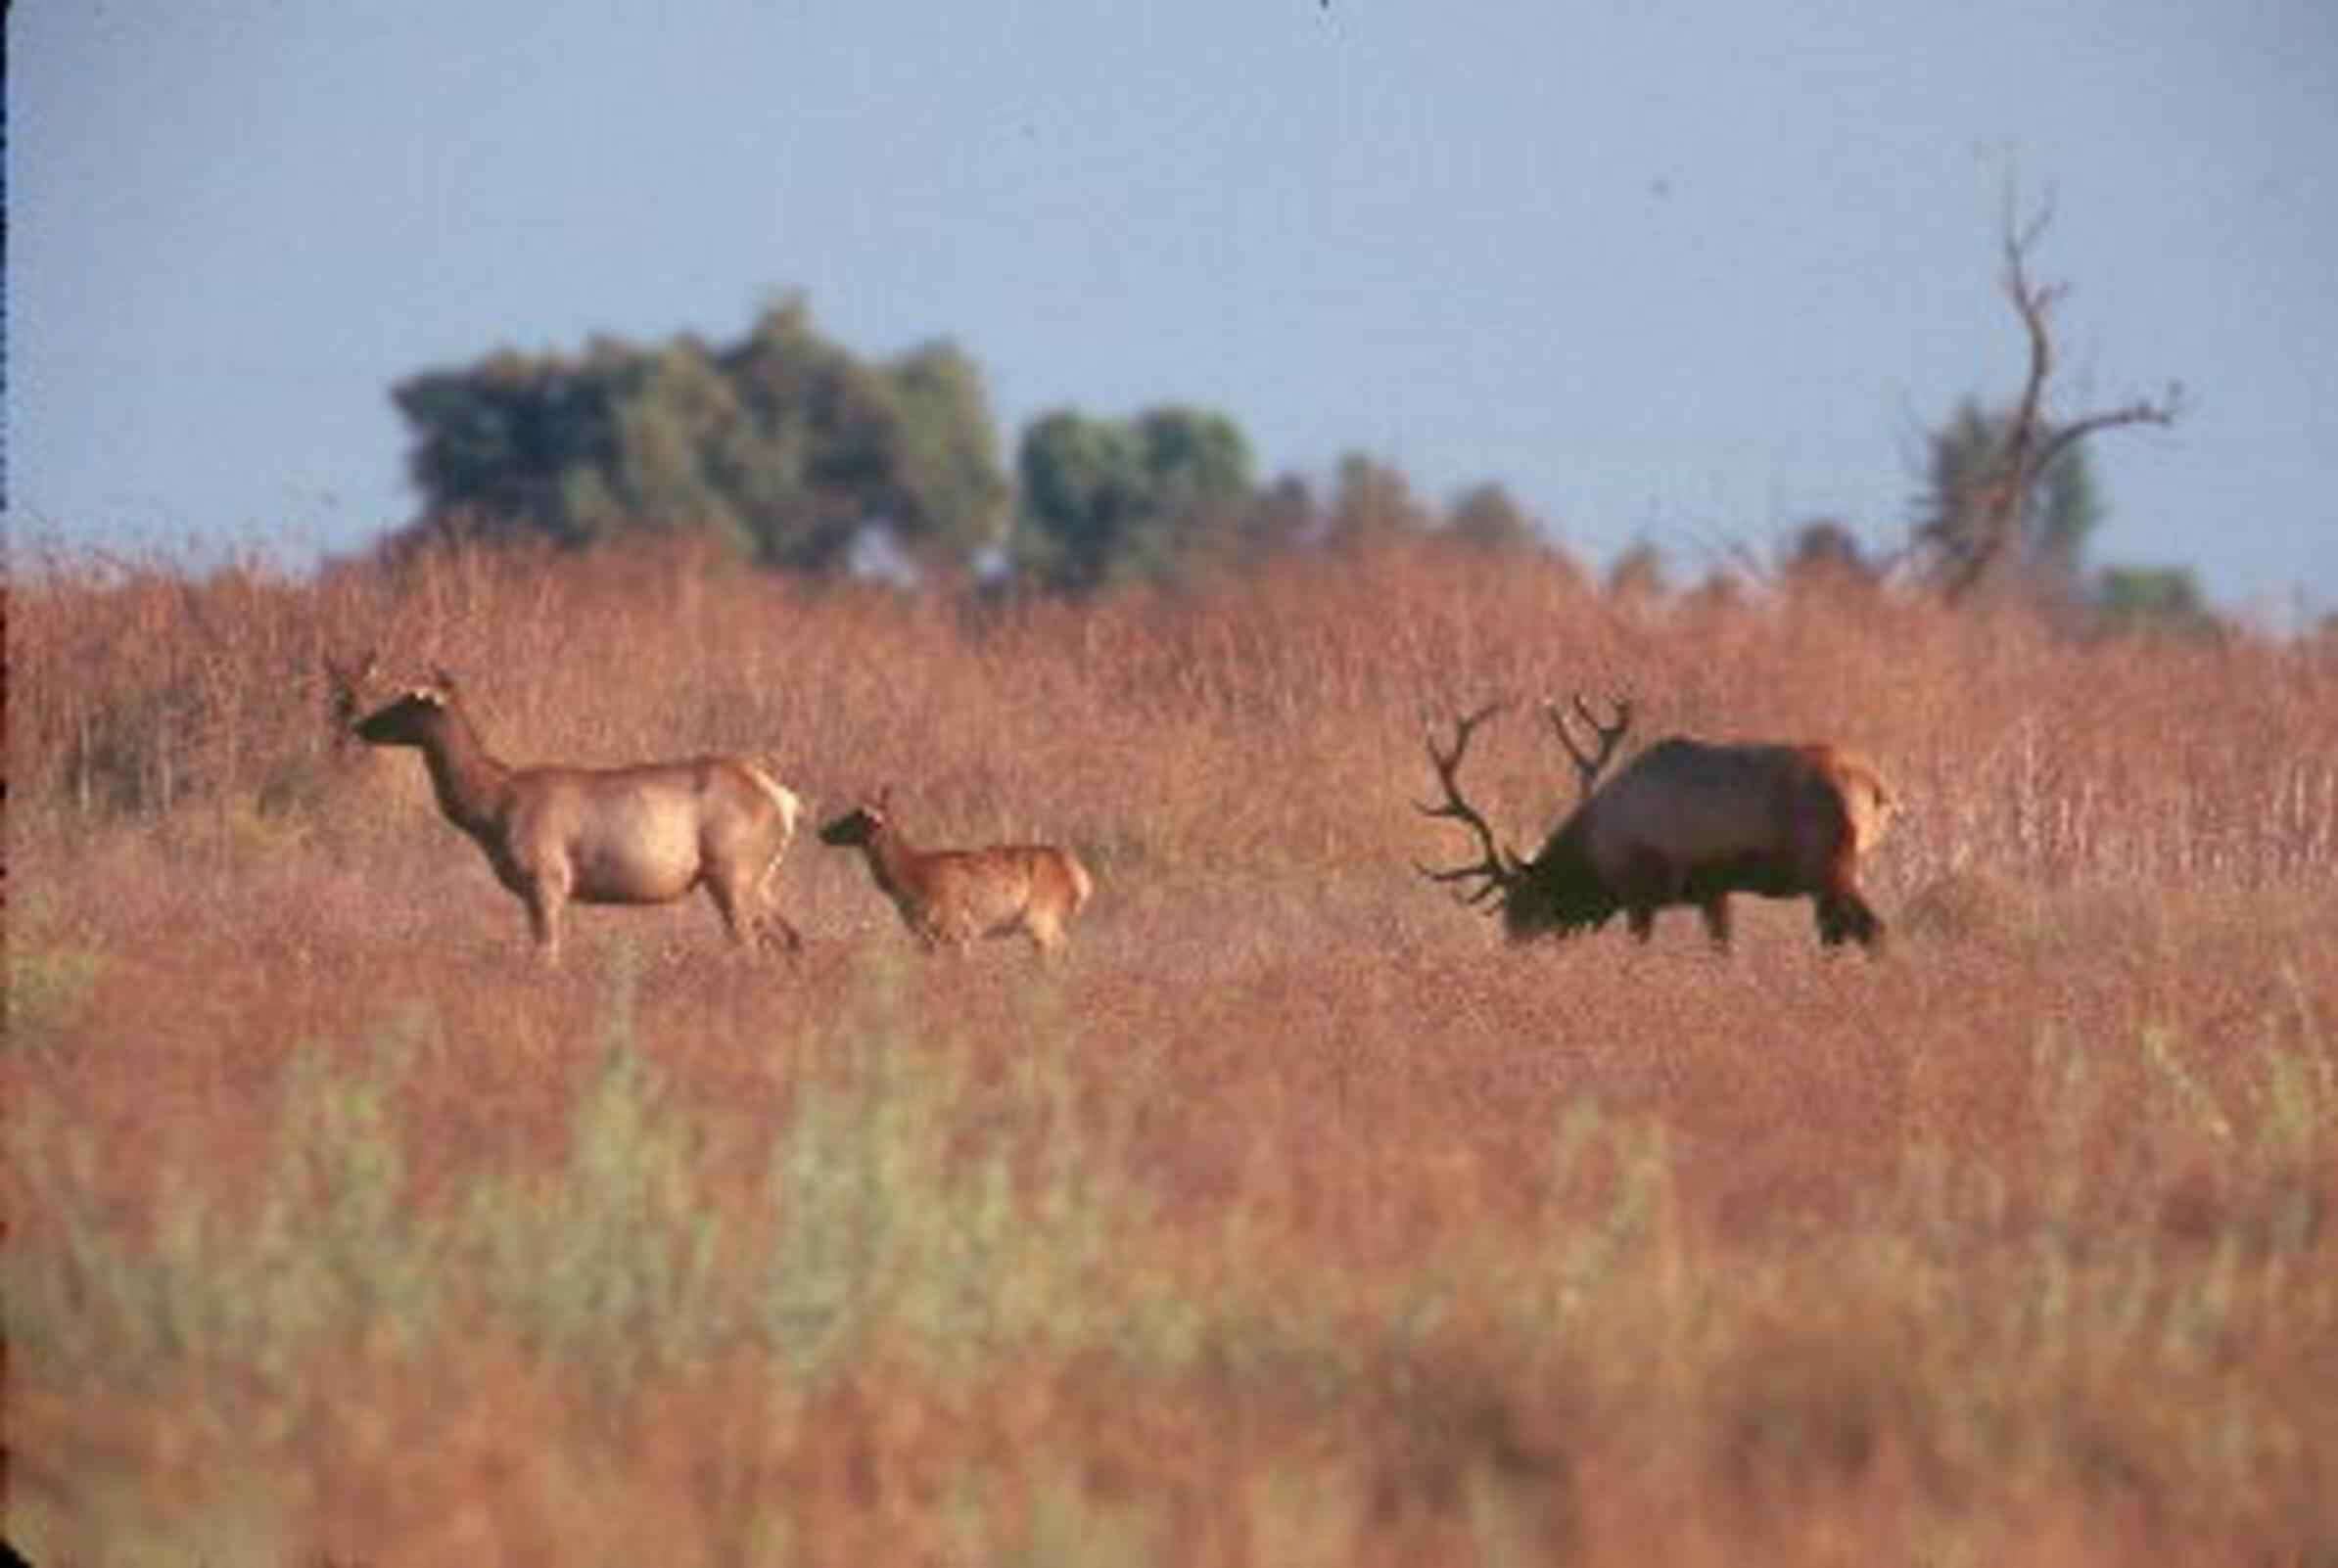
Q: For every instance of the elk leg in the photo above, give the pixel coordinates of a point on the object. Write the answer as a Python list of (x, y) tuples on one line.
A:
[(1860, 921), (1716, 921), (544, 898), (1646, 885), (767, 898), (1843, 915), (1846, 917), (791, 940), (726, 905), (748, 929)]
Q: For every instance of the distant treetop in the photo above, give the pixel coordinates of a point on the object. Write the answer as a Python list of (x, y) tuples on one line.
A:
[(782, 447)]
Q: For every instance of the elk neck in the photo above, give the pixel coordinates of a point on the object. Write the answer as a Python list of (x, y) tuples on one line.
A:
[(890, 857), (470, 784)]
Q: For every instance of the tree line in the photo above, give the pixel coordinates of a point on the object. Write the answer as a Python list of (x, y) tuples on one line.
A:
[(789, 450)]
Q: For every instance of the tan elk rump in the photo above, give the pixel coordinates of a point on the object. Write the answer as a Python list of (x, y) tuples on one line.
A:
[(949, 898), (555, 836), (1687, 822)]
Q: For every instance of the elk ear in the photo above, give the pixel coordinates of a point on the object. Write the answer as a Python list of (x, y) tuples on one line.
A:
[(355, 686), (441, 679)]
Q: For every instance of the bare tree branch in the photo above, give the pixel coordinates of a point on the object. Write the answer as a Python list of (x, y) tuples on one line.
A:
[(2143, 411), (1980, 525)]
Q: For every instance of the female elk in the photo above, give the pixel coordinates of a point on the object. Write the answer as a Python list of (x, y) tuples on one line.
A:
[(1689, 822), (948, 898), (647, 834)]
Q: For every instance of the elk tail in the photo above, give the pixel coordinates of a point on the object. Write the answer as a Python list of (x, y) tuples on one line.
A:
[(1871, 804), (790, 805)]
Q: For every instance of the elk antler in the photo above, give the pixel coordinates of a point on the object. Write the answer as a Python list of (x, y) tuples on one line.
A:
[(1588, 766), (1497, 868)]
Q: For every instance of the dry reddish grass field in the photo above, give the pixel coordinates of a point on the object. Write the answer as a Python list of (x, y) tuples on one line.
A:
[(1293, 1219)]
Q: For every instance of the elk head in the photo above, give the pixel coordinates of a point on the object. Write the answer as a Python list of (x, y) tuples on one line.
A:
[(411, 716), (862, 824), (1554, 892)]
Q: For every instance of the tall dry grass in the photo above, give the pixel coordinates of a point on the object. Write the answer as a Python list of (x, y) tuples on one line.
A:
[(1293, 1221)]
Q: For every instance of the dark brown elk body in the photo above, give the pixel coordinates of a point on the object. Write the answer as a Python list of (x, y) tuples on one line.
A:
[(948, 898), (640, 835), (1688, 822)]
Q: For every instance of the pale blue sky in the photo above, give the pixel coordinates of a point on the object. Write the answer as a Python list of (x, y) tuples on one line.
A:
[(1688, 272)]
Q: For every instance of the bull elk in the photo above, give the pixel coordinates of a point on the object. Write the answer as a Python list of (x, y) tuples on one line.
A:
[(553, 835), (948, 898), (1688, 822)]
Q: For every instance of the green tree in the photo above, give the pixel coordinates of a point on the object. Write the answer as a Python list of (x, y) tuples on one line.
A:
[(1372, 503), (1082, 500), (1111, 500), (1965, 477), (1282, 518), (497, 442), (1826, 553), (1487, 518), (951, 491), (2164, 599), (784, 446)]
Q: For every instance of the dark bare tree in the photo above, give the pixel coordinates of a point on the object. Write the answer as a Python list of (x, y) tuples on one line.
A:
[(1980, 521)]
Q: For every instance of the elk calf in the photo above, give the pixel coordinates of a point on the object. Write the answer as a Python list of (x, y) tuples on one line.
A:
[(1689, 822), (948, 898), (647, 834)]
